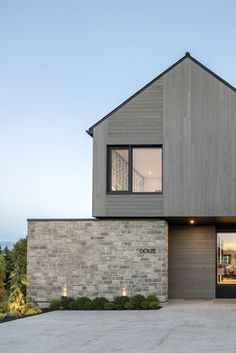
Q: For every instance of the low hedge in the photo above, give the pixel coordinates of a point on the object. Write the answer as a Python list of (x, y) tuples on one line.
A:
[(137, 302)]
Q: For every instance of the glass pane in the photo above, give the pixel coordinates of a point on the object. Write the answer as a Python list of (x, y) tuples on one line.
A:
[(226, 258), (119, 170), (147, 170)]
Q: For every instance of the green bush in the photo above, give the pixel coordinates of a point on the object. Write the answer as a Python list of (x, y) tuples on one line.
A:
[(153, 302), (83, 303), (98, 303), (136, 300), (2, 316), (66, 302), (119, 302), (128, 306), (144, 304), (109, 306), (73, 305), (55, 304), (153, 305)]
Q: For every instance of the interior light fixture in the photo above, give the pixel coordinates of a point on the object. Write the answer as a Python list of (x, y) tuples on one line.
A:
[(191, 221), (149, 173)]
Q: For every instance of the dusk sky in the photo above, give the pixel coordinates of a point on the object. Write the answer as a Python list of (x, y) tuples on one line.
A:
[(64, 65)]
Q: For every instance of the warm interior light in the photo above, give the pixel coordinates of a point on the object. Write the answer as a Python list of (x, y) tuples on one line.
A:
[(191, 221), (149, 173)]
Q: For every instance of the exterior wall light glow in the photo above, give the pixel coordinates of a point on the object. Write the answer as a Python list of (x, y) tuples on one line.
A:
[(191, 221), (64, 292), (124, 292)]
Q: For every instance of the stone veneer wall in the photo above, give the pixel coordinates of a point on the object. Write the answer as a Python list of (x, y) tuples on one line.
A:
[(97, 258)]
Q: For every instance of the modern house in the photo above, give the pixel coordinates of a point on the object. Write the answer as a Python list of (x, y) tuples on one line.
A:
[(164, 198)]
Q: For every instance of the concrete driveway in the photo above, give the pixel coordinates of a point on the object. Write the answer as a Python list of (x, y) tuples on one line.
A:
[(181, 326)]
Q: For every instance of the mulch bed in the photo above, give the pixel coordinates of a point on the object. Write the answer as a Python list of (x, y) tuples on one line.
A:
[(12, 318)]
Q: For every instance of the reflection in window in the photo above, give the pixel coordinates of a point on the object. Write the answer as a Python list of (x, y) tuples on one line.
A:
[(147, 170), (119, 169), (226, 258)]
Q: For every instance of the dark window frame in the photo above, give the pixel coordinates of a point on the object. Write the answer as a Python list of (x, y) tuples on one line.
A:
[(130, 164)]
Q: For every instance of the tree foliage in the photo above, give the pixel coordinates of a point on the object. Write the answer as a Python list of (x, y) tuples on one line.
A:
[(8, 258), (2, 276), (19, 254)]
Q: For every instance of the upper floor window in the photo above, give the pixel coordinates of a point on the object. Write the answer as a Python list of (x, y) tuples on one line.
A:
[(135, 169)]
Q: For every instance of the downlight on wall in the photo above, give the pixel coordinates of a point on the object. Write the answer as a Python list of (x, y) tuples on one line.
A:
[(124, 292), (64, 291)]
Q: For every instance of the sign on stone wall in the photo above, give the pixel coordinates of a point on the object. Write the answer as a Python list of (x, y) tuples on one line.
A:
[(147, 251)]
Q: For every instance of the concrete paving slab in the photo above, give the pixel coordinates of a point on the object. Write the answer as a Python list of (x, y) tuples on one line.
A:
[(181, 326)]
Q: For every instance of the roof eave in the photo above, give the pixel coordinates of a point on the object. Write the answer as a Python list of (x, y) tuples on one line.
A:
[(90, 132), (187, 55)]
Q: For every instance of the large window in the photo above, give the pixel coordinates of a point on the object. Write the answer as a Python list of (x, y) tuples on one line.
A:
[(135, 169), (226, 258)]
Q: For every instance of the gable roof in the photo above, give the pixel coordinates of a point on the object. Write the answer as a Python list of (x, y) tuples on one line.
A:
[(187, 55)]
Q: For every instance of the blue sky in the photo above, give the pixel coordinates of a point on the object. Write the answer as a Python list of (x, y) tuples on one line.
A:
[(64, 65)]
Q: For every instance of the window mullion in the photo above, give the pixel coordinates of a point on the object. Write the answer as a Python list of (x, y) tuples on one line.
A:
[(130, 169)]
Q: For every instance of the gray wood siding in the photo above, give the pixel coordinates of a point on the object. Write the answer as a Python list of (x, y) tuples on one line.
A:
[(140, 121), (199, 143), (193, 114), (191, 262)]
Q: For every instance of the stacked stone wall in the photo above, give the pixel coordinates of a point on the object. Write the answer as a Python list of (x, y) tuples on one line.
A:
[(97, 258)]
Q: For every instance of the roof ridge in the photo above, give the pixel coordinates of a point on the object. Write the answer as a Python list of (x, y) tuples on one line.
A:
[(187, 55)]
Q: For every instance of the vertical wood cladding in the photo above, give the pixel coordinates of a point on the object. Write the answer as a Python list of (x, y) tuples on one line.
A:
[(199, 143), (193, 115)]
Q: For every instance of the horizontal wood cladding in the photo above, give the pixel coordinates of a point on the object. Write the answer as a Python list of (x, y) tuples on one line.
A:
[(139, 121), (191, 262), (134, 205), (199, 143), (192, 114)]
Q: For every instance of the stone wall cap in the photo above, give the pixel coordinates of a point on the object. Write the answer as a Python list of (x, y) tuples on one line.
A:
[(91, 219)]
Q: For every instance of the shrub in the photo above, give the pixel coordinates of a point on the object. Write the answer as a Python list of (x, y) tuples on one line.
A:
[(65, 302), (2, 316), (119, 302), (153, 305), (3, 306), (55, 304), (109, 306), (128, 306), (98, 303), (83, 303), (136, 300), (144, 304), (17, 301), (14, 313), (153, 299), (73, 305), (33, 311)]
